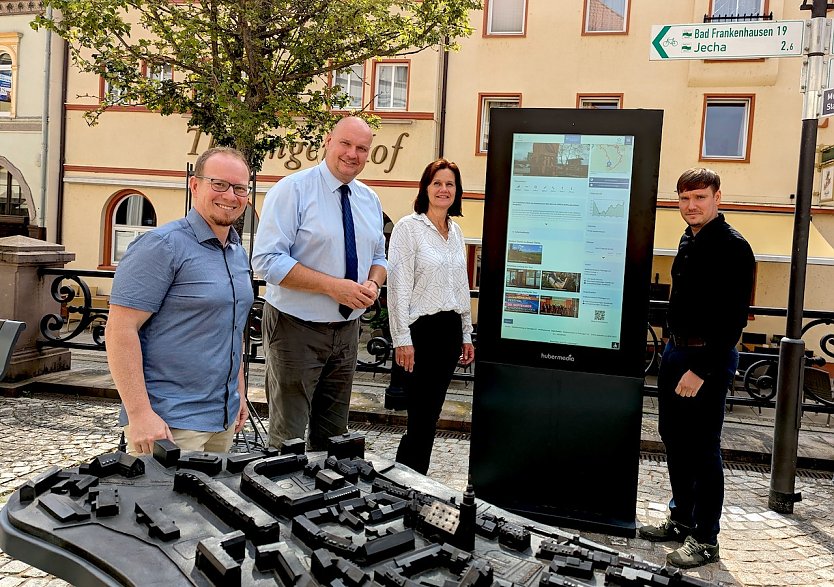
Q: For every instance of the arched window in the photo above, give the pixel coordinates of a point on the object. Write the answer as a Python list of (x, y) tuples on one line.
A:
[(5, 84), (132, 215), (12, 197)]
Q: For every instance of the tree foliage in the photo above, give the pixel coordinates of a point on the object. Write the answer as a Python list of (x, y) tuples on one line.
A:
[(252, 73)]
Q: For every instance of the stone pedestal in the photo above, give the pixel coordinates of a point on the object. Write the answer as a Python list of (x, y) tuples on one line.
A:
[(25, 296)]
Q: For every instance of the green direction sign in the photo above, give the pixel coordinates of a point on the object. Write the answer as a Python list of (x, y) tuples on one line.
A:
[(730, 40)]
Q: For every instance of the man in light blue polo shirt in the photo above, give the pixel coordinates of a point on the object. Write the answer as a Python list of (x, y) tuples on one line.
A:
[(310, 320), (178, 307)]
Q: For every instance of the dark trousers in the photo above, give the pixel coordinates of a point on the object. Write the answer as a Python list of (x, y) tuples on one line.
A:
[(690, 428), (437, 347), (309, 375)]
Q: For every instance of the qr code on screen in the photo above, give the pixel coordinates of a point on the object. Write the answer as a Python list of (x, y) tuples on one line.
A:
[(599, 315)]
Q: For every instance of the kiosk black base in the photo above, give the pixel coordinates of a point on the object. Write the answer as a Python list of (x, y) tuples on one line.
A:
[(563, 449)]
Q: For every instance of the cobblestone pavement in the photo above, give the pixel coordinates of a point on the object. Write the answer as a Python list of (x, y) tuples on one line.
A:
[(758, 547)]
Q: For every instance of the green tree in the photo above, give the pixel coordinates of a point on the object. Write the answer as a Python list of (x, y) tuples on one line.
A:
[(252, 73)]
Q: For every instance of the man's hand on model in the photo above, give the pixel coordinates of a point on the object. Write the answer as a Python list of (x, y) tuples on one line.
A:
[(354, 295), (689, 385), (145, 429)]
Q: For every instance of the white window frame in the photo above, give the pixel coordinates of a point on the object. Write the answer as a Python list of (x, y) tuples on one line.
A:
[(159, 73), (115, 92), (748, 103), (7, 71), (718, 5), (602, 102), (127, 229), (487, 103), (346, 80), (504, 8), (586, 28), (393, 66), (10, 45)]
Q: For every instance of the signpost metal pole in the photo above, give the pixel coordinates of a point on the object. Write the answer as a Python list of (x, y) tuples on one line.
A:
[(792, 348)]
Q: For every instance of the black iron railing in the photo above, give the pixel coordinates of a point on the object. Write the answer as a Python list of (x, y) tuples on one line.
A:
[(78, 315), (753, 16), (755, 382)]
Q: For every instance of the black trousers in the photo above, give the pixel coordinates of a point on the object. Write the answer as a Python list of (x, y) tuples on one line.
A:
[(690, 427), (437, 347)]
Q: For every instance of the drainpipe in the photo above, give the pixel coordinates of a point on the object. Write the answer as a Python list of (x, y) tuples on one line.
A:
[(444, 76), (59, 200), (45, 126)]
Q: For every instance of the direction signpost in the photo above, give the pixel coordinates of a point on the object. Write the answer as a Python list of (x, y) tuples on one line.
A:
[(727, 40), (762, 39)]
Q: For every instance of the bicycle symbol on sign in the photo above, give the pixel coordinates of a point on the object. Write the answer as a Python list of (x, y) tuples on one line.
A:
[(670, 42)]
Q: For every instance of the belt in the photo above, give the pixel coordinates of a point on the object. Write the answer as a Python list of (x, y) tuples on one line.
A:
[(337, 324), (683, 342), (311, 324)]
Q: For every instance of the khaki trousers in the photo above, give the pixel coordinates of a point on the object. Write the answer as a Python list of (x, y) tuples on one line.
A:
[(194, 440)]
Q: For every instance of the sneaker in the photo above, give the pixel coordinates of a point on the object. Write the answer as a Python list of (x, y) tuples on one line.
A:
[(665, 531), (693, 554)]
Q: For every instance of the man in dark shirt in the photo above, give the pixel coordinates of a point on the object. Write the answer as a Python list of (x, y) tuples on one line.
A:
[(712, 282)]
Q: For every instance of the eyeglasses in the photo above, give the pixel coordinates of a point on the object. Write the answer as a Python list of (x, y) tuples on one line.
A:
[(221, 185)]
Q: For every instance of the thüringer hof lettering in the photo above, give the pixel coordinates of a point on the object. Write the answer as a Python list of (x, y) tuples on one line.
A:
[(380, 154)]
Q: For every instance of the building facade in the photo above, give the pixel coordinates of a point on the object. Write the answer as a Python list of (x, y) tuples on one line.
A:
[(31, 78), (741, 117)]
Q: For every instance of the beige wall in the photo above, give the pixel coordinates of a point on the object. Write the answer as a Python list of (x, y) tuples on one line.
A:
[(549, 66)]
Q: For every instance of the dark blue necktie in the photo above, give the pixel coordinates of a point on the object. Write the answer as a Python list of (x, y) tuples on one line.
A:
[(351, 270)]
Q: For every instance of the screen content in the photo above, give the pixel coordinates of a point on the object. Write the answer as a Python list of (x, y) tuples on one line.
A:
[(566, 239)]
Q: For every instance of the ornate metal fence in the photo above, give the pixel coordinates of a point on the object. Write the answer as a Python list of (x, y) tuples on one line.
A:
[(755, 381)]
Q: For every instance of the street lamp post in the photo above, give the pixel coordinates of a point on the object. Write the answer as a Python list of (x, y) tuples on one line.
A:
[(792, 347)]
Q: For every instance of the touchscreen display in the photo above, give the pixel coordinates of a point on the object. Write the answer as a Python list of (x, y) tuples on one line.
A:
[(566, 239)]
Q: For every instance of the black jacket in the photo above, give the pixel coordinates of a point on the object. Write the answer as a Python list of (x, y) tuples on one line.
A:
[(712, 283)]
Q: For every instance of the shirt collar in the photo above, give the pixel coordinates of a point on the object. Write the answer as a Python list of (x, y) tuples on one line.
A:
[(331, 181), (424, 219), (203, 231), (429, 223), (709, 226)]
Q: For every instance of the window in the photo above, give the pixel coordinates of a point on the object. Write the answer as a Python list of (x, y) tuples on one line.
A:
[(113, 92), (159, 73), (351, 81), (133, 216), (391, 86), (12, 199), (600, 101), (736, 10), (487, 103), (505, 17), (9, 45), (728, 124), (606, 16), (5, 84)]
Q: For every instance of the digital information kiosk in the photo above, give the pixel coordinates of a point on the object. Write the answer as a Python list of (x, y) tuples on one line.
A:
[(565, 273)]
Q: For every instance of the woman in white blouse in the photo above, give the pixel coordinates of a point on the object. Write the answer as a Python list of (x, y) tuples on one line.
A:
[(428, 305)]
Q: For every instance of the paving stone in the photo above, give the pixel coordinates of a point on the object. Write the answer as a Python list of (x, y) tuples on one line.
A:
[(14, 567), (758, 547)]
